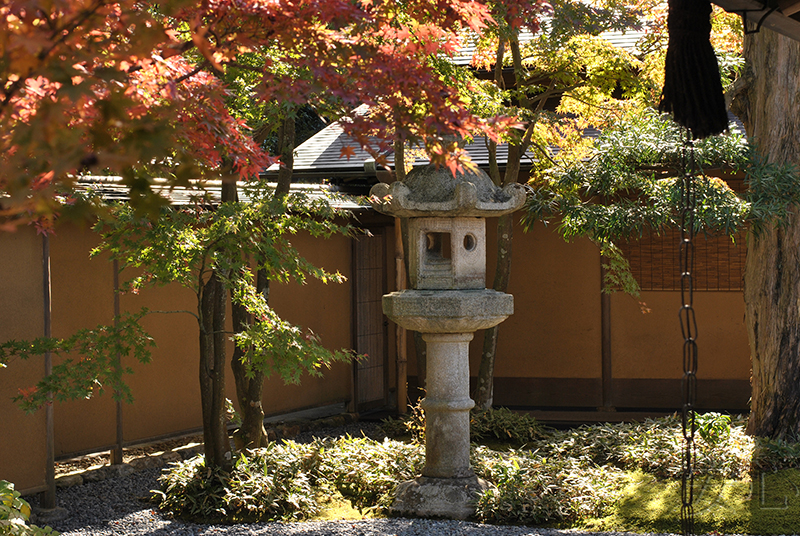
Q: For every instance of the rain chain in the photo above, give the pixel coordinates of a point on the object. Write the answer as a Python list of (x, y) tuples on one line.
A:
[(689, 331)]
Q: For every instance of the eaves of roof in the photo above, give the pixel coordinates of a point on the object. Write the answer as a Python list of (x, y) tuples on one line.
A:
[(321, 155), (111, 188)]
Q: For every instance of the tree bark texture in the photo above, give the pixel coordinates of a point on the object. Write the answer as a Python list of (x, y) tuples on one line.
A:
[(286, 139), (769, 105), (249, 391), (251, 433), (212, 373), (484, 389)]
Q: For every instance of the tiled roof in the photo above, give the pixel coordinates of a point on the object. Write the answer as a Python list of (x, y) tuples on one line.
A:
[(112, 189), (320, 155)]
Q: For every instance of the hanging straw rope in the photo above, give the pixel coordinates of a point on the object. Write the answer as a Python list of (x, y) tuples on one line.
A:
[(692, 87)]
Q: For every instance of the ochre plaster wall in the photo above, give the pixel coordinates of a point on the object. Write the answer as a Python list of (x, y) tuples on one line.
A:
[(327, 310), (83, 297), (650, 345), (22, 436), (555, 329), (166, 391), (554, 340)]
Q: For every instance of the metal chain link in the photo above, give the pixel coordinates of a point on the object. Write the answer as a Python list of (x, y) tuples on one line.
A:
[(689, 331)]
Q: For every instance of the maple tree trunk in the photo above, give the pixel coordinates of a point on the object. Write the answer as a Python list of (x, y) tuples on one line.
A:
[(768, 102), (251, 433), (212, 373), (249, 390), (484, 390)]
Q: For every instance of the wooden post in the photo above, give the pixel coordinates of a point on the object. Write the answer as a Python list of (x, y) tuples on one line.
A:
[(49, 495), (116, 453), (402, 354), (605, 336)]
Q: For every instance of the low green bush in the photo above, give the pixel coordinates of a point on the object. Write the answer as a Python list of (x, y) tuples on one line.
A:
[(500, 424), (365, 471), (272, 483), (775, 454), (531, 489), (655, 446), (591, 476), (15, 512)]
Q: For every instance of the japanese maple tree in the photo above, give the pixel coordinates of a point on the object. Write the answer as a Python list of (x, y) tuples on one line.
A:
[(139, 90), (129, 88)]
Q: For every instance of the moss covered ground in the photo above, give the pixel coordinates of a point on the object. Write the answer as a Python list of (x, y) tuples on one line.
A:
[(769, 503)]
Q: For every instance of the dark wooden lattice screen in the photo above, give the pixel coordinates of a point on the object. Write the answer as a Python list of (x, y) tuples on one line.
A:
[(369, 280), (654, 260)]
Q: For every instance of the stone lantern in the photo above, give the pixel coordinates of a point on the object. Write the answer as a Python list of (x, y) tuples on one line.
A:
[(447, 303)]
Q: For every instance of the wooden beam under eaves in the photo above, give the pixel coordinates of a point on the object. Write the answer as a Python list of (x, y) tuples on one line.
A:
[(778, 15)]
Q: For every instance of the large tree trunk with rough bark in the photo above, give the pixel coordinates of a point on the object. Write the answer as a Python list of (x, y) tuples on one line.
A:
[(768, 101)]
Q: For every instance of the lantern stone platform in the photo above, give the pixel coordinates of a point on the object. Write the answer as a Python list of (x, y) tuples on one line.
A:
[(447, 304)]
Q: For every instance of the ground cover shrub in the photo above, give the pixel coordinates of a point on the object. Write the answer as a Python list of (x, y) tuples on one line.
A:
[(775, 454), (609, 477), (655, 446), (271, 483), (532, 489), (499, 424), (503, 424), (365, 471), (15, 513)]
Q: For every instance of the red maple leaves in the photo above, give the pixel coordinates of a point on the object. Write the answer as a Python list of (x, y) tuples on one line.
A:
[(114, 87)]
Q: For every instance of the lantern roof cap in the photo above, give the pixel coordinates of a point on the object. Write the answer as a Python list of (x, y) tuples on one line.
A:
[(435, 191)]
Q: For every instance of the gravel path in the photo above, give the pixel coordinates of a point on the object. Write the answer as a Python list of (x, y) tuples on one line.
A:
[(116, 507)]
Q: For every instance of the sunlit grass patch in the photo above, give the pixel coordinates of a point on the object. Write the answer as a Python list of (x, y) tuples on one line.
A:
[(767, 504)]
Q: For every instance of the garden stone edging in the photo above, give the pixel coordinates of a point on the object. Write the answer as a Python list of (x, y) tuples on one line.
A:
[(288, 430)]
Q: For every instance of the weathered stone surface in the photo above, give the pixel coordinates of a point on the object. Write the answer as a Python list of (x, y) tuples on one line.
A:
[(46, 516), (95, 475), (289, 431), (452, 498), (447, 404), (67, 481), (447, 253), (432, 191), (189, 452), (448, 311), (148, 462), (170, 456), (122, 469)]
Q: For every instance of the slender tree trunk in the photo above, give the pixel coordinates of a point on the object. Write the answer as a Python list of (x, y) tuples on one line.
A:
[(249, 390), (420, 349), (212, 373), (401, 282), (251, 433), (484, 390), (768, 102)]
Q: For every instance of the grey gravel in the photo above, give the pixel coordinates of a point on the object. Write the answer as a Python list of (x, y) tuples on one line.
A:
[(118, 506)]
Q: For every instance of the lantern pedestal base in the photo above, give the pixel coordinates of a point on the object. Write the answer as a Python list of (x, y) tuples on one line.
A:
[(451, 498)]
